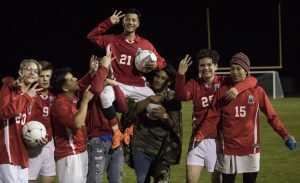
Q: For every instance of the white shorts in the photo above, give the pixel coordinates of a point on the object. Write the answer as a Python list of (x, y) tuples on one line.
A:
[(73, 168), (136, 93), (12, 174), (42, 162), (204, 155), (231, 164), (133, 92)]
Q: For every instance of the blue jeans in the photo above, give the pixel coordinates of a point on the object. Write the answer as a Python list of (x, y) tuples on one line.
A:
[(142, 164), (101, 159)]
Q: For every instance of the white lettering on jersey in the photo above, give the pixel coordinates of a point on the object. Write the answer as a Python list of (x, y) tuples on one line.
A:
[(240, 111), (125, 59)]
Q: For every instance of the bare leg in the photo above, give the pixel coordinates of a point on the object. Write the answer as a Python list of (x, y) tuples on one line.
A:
[(193, 173), (47, 179)]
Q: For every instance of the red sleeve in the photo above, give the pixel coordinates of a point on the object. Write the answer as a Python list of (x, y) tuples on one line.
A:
[(97, 83), (121, 103), (161, 62), (248, 83), (11, 105), (85, 81), (96, 35), (183, 92), (8, 80), (273, 119)]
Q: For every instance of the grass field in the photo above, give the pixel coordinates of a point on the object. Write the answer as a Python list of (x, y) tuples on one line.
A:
[(278, 164)]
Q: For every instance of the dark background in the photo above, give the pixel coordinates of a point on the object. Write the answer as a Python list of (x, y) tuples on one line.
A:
[(56, 31)]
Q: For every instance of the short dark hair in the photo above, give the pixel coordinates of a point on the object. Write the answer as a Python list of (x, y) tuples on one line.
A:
[(204, 53), (133, 11), (58, 79), (171, 72), (46, 65)]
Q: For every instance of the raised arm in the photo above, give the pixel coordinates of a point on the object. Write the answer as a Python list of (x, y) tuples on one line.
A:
[(183, 91), (97, 36)]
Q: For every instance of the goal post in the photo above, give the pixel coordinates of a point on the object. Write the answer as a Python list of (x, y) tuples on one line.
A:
[(268, 80)]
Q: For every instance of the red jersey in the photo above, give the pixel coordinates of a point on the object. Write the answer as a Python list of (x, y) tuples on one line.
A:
[(239, 125), (124, 51), (202, 94), (68, 139), (96, 123), (15, 110), (42, 111)]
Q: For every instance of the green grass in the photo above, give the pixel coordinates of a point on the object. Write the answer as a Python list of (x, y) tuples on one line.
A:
[(278, 164)]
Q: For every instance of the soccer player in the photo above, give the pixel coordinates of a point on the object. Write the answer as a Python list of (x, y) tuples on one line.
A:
[(101, 157), (69, 127), (201, 90), (124, 48), (157, 142), (41, 160), (238, 127), (16, 109)]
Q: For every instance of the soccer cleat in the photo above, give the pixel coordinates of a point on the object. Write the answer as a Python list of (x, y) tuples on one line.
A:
[(117, 139)]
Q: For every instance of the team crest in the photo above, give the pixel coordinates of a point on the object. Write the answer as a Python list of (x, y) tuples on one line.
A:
[(250, 99), (216, 87)]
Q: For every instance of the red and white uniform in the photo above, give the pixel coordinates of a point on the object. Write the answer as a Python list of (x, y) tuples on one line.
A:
[(68, 139), (239, 128), (42, 111), (124, 51), (202, 94), (15, 110)]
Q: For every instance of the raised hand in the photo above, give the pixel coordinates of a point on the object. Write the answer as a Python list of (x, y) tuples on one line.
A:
[(115, 18), (94, 64), (106, 60), (87, 95), (32, 91), (184, 64)]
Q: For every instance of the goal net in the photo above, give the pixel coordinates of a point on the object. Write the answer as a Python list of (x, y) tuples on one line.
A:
[(269, 81)]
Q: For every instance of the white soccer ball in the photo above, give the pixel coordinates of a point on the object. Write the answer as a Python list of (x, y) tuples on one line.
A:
[(33, 132), (149, 109), (142, 57)]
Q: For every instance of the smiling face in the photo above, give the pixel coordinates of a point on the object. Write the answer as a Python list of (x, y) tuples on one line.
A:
[(29, 72), (238, 73), (207, 68), (130, 23)]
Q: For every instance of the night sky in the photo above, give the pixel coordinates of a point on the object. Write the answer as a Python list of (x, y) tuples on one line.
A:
[(56, 31)]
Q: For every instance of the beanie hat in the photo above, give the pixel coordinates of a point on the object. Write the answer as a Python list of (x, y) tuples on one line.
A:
[(242, 60)]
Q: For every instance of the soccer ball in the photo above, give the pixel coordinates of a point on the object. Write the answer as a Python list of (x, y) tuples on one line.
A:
[(149, 108), (142, 57), (33, 132)]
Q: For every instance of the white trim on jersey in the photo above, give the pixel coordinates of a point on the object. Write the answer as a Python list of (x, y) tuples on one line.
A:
[(6, 137), (69, 132), (255, 129)]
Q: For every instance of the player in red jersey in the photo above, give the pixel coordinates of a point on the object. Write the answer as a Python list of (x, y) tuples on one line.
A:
[(41, 160), (69, 127), (124, 48), (238, 127), (201, 90), (16, 109)]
